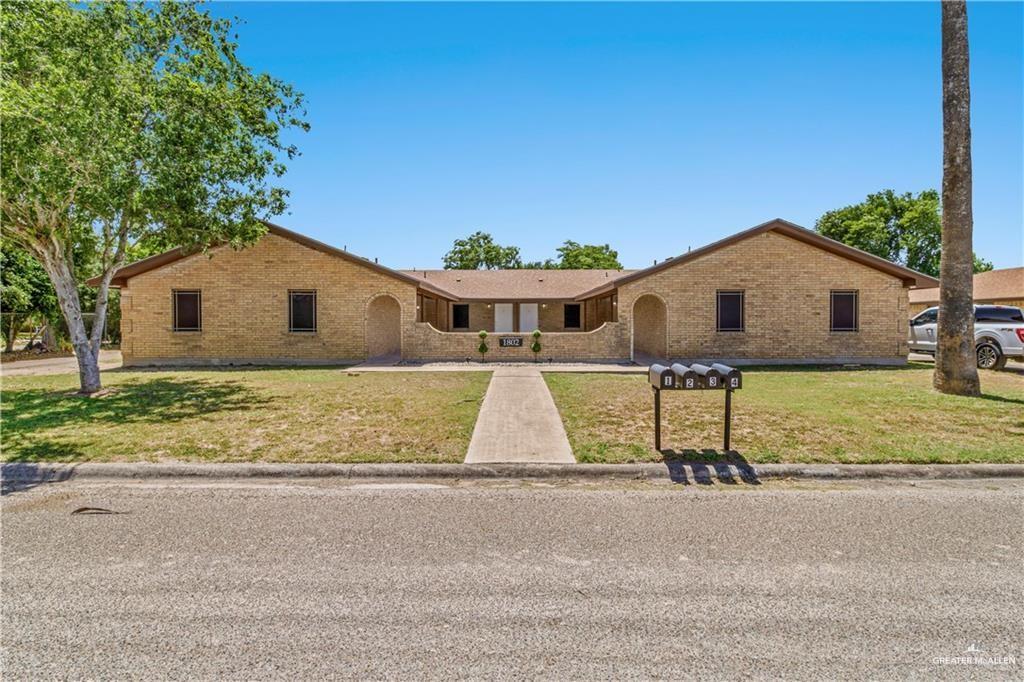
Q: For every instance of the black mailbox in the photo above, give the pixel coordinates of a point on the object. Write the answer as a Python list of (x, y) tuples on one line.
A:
[(709, 376), (662, 377), (686, 378), (730, 375)]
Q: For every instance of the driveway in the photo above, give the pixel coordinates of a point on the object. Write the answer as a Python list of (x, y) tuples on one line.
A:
[(109, 359), (288, 579)]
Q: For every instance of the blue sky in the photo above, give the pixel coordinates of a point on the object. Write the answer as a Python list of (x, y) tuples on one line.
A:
[(653, 127)]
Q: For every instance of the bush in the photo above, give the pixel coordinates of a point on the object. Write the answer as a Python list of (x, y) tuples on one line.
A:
[(536, 343), (483, 348)]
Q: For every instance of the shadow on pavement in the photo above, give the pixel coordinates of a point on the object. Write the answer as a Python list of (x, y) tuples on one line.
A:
[(16, 477), (707, 466)]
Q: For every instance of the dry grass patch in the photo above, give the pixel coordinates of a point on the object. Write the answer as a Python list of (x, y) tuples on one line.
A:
[(269, 415), (800, 415)]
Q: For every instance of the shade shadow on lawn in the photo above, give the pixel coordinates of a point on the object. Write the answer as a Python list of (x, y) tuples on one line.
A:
[(160, 400)]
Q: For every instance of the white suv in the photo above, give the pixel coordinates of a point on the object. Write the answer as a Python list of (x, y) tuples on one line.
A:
[(998, 334)]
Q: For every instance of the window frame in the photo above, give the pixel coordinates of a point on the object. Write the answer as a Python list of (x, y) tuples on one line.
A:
[(174, 310), (579, 315), (718, 310), (292, 329), (831, 311), (466, 306)]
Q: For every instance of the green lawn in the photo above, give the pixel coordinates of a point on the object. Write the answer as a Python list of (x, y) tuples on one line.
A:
[(280, 415), (799, 415)]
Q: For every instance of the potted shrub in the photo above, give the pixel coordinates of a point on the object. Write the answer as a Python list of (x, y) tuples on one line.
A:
[(535, 347), (482, 348)]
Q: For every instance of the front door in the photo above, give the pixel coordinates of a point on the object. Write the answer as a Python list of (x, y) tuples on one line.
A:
[(527, 317), (502, 317)]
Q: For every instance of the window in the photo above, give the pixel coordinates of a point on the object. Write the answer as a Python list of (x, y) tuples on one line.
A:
[(844, 311), (302, 311), (188, 311), (997, 314), (929, 316), (460, 316), (572, 316), (730, 311)]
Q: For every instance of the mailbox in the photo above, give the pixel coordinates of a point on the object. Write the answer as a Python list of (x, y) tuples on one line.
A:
[(662, 377), (686, 378), (732, 377), (709, 376)]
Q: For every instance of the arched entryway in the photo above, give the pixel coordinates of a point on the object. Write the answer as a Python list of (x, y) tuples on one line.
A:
[(649, 328), (383, 327)]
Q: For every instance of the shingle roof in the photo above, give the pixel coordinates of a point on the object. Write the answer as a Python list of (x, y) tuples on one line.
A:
[(993, 285), (516, 285)]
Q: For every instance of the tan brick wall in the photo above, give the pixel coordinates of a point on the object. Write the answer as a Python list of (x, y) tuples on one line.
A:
[(245, 306), (787, 285), (605, 343)]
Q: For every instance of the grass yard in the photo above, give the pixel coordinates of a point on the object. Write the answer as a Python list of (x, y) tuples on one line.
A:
[(279, 415), (799, 415)]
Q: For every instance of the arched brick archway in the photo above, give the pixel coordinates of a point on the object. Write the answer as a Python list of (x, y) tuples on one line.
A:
[(649, 327), (383, 327)]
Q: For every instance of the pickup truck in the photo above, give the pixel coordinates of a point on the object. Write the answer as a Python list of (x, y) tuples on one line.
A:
[(998, 334)]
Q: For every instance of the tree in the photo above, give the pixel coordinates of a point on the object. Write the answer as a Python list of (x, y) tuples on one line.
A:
[(25, 292), (902, 228), (575, 256), (126, 121), (478, 251), (956, 368)]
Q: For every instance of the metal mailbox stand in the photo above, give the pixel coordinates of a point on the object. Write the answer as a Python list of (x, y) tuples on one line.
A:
[(694, 377)]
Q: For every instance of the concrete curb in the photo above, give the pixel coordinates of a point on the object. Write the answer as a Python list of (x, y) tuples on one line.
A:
[(676, 471)]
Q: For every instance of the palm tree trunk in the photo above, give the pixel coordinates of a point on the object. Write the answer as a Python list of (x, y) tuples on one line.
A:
[(956, 370)]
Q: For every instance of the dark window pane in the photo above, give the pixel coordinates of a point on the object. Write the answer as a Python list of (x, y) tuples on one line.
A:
[(572, 316), (844, 311), (730, 311), (302, 307), (927, 317), (187, 311), (997, 314), (460, 316)]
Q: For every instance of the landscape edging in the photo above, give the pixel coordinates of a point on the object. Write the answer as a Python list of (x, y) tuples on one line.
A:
[(26, 471)]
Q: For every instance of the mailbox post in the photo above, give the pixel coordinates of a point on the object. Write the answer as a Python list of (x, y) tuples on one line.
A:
[(695, 377)]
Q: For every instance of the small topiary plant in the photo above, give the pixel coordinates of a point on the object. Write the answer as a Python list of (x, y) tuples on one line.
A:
[(483, 348), (536, 344)]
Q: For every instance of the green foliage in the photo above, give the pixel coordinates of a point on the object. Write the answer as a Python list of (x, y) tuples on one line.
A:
[(536, 334), (480, 252), (901, 228), (981, 265), (575, 256), (483, 347), (133, 123), (25, 292)]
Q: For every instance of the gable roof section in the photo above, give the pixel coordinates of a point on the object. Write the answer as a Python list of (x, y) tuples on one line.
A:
[(784, 227), (497, 286), (994, 285), (167, 257)]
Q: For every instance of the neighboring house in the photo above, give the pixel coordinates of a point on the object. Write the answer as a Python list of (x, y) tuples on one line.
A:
[(1001, 287), (774, 293)]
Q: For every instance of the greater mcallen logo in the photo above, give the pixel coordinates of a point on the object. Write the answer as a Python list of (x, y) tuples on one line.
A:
[(975, 655)]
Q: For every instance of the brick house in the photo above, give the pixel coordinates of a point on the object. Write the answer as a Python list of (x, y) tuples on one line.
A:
[(1000, 287), (774, 293)]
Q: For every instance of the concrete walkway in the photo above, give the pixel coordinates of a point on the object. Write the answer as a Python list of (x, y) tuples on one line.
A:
[(109, 359), (518, 421)]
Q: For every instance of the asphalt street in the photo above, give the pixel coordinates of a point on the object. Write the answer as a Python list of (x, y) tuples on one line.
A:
[(313, 579)]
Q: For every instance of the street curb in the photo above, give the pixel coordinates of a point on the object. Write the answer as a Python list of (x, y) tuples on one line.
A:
[(675, 471)]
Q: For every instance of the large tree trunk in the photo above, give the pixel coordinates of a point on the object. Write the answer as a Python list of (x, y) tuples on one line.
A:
[(955, 364), (66, 286)]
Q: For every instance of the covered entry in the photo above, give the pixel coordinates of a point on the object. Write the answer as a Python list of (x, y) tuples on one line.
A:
[(649, 327), (383, 327)]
